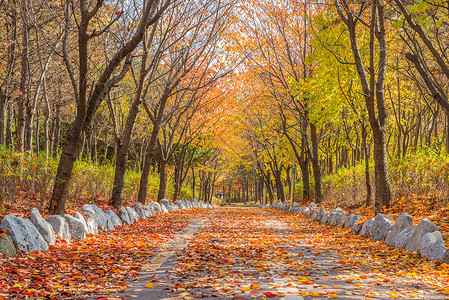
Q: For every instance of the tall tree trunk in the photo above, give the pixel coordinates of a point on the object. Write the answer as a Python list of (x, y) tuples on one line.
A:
[(9, 121), (22, 101), (162, 179), (367, 175), (304, 166), (193, 182), (151, 149), (3, 99), (316, 164), (374, 91)]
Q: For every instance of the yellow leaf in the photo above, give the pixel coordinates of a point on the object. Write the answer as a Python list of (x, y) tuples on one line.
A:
[(444, 266), (256, 287), (246, 289), (332, 296), (315, 294), (149, 285)]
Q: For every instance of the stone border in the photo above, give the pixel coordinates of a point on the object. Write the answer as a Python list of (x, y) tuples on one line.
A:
[(425, 238), (37, 233)]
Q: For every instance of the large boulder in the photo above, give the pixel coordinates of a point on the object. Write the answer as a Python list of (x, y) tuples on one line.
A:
[(325, 218), (115, 220), (156, 206), (424, 226), (180, 204), (187, 203), (366, 228), (403, 221), (432, 246), (321, 213), (147, 210), (60, 226), (166, 203), (7, 245), (444, 259), (83, 221), (381, 226), (296, 210), (356, 228), (76, 227), (124, 216), (164, 208), (139, 209), (340, 219), (195, 203), (133, 215), (312, 208), (403, 237), (92, 225), (351, 220), (24, 234), (100, 217), (336, 214), (42, 226)]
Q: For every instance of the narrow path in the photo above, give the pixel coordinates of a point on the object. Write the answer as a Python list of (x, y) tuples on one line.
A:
[(254, 253)]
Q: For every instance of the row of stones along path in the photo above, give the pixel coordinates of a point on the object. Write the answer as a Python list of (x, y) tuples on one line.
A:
[(255, 254)]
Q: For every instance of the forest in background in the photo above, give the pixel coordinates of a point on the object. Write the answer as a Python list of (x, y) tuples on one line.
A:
[(341, 101)]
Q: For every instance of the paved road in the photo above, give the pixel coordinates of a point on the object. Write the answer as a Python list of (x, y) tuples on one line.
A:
[(256, 254)]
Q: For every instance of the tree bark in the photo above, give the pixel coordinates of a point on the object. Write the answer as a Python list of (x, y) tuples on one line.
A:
[(162, 179), (316, 164)]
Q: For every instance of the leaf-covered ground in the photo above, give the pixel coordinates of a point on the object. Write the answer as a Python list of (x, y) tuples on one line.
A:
[(230, 254), (97, 265), (254, 253)]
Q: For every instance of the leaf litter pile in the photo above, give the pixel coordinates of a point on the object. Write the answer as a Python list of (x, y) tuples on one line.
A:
[(254, 253), (97, 265)]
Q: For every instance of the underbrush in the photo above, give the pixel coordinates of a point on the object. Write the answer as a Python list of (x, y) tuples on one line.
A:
[(421, 175), (419, 185), (26, 181)]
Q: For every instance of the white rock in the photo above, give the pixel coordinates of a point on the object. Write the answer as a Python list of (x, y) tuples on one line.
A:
[(100, 217), (60, 226), (147, 210), (82, 220), (351, 220), (92, 226), (76, 227), (139, 209), (166, 203), (164, 208), (340, 219), (180, 204), (381, 226), (133, 215), (335, 214), (124, 216), (42, 226), (312, 208), (424, 226), (366, 228), (115, 220), (403, 237), (432, 246), (325, 218), (156, 206), (321, 213), (356, 228), (195, 203), (24, 234), (403, 221)]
